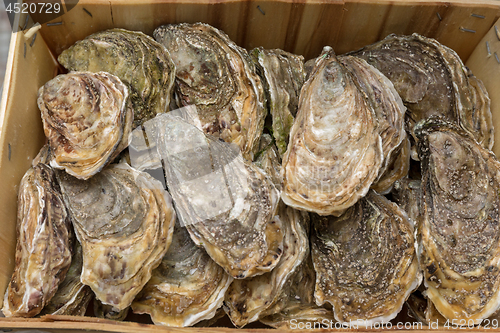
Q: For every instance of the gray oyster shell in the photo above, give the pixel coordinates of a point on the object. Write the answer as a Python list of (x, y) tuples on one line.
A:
[(248, 299), (407, 194), (44, 243), (365, 261), (87, 118), (335, 151), (269, 160), (432, 81), (124, 220), (218, 77), (72, 296), (105, 311), (226, 202), (460, 231), (187, 287), (390, 112), (283, 74), (137, 59)]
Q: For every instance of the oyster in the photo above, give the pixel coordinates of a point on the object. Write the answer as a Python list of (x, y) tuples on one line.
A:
[(460, 231), (335, 149), (407, 193), (140, 62), (44, 241), (218, 77), (481, 119), (72, 296), (226, 203), (124, 220), (365, 261), (248, 299), (87, 119), (432, 81), (268, 160), (283, 75), (389, 111), (186, 288), (295, 306)]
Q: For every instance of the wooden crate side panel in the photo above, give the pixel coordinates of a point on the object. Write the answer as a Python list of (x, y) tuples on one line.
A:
[(21, 135)]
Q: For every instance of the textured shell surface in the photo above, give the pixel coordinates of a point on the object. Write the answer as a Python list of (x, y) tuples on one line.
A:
[(87, 118), (460, 231), (269, 160), (137, 59), (44, 243), (335, 149), (106, 311), (218, 77), (296, 306), (124, 220), (187, 287), (72, 296), (248, 299), (365, 261), (283, 75), (390, 114), (432, 81), (226, 202), (407, 194)]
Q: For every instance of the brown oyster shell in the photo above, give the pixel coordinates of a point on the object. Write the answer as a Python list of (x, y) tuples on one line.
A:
[(432, 81), (283, 75), (44, 242), (218, 77), (226, 202), (72, 296), (248, 299), (187, 287), (124, 220), (460, 231), (365, 261), (86, 118), (140, 62), (335, 149)]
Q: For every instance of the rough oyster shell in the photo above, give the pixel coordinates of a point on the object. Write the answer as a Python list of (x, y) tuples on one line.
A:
[(296, 305), (44, 241), (87, 118), (124, 220), (268, 160), (365, 261), (248, 299), (460, 228), (432, 81), (226, 202), (283, 74), (72, 296), (218, 77), (186, 288), (335, 149), (407, 193), (105, 311), (137, 59), (389, 111)]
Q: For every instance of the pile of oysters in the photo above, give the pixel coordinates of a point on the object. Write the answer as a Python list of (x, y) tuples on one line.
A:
[(186, 178)]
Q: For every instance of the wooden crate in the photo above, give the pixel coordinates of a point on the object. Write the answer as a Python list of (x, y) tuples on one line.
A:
[(299, 26)]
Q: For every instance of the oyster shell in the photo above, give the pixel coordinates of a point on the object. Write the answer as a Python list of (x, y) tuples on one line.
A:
[(44, 242), (72, 296), (246, 300), (137, 59), (283, 75), (389, 111), (365, 261), (226, 203), (218, 77), (87, 118), (407, 193), (481, 119), (432, 81), (186, 288), (124, 220), (460, 228), (268, 160), (335, 149)]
